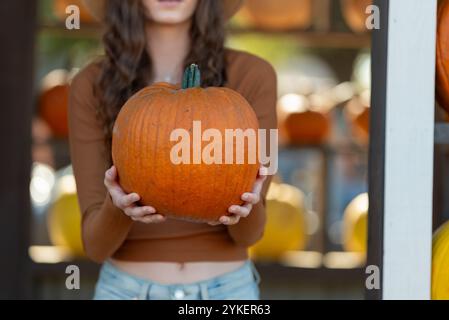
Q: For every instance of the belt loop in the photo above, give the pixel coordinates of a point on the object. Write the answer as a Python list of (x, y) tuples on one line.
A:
[(204, 291), (255, 272), (144, 291)]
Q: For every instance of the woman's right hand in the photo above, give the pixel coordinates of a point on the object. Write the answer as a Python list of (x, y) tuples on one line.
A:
[(127, 202)]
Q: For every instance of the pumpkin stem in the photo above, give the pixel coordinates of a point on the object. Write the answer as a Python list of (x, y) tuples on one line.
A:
[(192, 77)]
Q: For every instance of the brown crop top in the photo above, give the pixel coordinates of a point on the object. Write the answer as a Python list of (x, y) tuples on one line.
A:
[(108, 232)]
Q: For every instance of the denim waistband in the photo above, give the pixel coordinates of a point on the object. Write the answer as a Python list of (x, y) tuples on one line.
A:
[(140, 287)]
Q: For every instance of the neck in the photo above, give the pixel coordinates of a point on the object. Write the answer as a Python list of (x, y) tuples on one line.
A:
[(168, 46)]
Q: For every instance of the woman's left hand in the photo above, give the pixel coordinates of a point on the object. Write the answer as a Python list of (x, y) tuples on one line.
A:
[(250, 198)]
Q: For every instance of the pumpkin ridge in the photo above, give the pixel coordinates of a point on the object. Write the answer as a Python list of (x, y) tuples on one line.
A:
[(127, 154), (135, 116), (227, 191), (178, 168), (246, 125), (238, 173), (140, 139), (155, 168), (149, 119), (214, 182), (249, 114), (192, 107)]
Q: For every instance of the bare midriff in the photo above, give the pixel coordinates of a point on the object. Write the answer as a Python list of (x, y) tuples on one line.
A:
[(175, 272)]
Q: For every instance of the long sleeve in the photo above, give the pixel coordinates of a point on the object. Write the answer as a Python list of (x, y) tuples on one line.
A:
[(259, 85), (104, 226)]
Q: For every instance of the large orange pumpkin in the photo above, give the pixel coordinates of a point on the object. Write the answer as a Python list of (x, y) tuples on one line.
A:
[(442, 59), (299, 123), (141, 149), (53, 102), (279, 14), (354, 12), (59, 7)]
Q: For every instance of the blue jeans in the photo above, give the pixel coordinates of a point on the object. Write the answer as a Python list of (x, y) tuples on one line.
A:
[(240, 284)]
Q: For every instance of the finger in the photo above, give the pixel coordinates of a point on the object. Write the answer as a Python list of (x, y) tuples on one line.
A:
[(252, 198), (229, 220), (258, 184), (214, 223), (139, 212), (110, 181), (127, 200), (241, 211), (110, 176), (152, 218)]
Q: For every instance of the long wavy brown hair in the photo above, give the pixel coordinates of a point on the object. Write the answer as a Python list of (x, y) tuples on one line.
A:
[(127, 66)]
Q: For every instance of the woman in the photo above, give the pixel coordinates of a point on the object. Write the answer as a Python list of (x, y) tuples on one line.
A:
[(145, 255)]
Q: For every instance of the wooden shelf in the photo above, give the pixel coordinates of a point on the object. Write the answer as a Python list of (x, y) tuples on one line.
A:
[(321, 275), (317, 39), (85, 31), (308, 38)]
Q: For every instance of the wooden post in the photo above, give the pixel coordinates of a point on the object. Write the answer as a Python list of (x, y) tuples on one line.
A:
[(402, 146), (17, 27)]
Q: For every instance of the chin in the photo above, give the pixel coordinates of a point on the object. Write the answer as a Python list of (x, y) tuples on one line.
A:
[(170, 11), (169, 19)]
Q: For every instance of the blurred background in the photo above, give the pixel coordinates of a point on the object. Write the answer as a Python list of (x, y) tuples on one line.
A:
[(316, 236), (315, 243)]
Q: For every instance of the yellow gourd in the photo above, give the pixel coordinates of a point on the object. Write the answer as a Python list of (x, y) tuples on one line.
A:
[(64, 218), (440, 263), (355, 224), (286, 226)]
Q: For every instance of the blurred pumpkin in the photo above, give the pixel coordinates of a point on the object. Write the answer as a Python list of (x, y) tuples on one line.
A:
[(357, 111), (442, 58), (286, 224), (64, 217), (355, 224), (440, 263), (59, 9), (299, 123), (279, 14), (53, 102), (42, 151), (361, 121), (354, 12)]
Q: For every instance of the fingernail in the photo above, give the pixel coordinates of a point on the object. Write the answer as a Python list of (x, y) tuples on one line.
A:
[(245, 197), (150, 210), (224, 220), (263, 171)]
